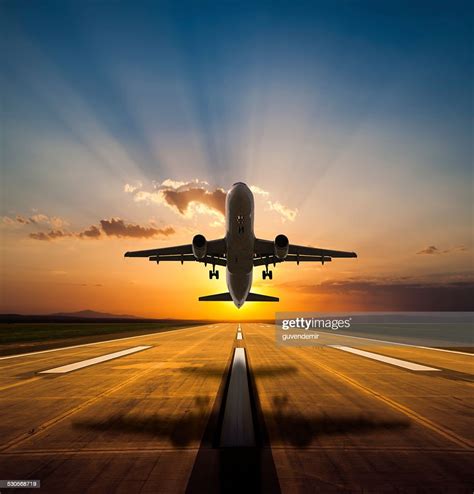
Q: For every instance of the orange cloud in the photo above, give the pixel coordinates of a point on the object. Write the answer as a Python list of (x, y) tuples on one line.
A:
[(91, 232), (181, 200), (118, 228), (185, 198), (195, 197), (35, 219), (114, 227), (51, 235)]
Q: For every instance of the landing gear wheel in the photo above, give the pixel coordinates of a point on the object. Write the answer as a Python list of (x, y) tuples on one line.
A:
[(266, 274), (213, 274)]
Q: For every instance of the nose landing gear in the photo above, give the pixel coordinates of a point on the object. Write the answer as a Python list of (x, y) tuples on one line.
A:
[(213, 274)]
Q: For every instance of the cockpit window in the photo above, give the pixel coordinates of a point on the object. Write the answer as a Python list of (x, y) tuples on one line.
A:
[(237, 183)]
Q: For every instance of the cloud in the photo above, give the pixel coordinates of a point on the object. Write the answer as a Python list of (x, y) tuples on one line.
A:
[(275, 206), (195, 197), (51, 235), (36, 219), (433, 250), (258, 191), (286, 213), (91, 232), (132, 188), (185, 198), (8, 221), (386, 295), (182, 199), (39, 218), (116, 227)]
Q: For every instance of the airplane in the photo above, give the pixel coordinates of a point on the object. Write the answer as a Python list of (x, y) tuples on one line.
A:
[(240, 251)]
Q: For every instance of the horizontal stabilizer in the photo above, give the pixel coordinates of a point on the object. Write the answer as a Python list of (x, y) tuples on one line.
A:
[(218, 297), (225, 297), (256, 297)]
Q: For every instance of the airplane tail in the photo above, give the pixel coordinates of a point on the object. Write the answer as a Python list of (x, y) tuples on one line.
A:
[(225, 297)]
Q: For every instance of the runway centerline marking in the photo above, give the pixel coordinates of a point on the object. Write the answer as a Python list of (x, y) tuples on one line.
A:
[(382, 358), (239, 335), (400, 344), (96, 360), (237, 425)]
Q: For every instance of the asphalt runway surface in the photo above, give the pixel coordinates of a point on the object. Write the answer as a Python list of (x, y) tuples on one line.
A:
[(184, 411)]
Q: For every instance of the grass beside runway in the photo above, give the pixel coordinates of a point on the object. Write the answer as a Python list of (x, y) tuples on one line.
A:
[(16, 337)]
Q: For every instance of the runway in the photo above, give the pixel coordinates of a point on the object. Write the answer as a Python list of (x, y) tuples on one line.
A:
[(146, 414)]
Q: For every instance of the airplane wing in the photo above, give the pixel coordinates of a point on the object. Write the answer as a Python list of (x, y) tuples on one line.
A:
[(265, 253), (216, 250), (261, 261)]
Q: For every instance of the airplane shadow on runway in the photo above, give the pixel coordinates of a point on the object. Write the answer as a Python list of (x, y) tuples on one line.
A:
[(292, 428), (180, 430), (300, 430)]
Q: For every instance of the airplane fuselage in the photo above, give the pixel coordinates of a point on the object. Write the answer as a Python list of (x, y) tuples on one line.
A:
[(240, 240)]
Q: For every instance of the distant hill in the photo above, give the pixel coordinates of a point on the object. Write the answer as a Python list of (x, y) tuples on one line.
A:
[(84, 316), (92, 314)]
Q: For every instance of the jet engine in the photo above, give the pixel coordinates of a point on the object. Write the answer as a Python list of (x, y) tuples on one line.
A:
[(199, 246), (282, 246)]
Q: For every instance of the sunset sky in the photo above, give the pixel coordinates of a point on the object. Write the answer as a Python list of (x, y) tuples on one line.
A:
[(124, 124)]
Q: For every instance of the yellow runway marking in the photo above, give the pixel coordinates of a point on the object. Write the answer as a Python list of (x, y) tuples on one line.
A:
[(19, 383)]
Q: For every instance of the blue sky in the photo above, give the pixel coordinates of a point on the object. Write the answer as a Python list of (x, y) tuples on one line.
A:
[(342, 111)]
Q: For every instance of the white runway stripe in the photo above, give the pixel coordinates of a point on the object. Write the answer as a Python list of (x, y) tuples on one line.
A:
[(400, 344), (97, 360), (239, 335), (237, 425), (383, 358)]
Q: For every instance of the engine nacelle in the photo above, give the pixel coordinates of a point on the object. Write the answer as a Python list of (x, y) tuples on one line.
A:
[(199, 246), (282, 246)]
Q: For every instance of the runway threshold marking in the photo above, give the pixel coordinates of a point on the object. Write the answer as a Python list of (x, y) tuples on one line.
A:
[(163, 333), (96, 360), (382, 358), (237, 425), (400, 344)]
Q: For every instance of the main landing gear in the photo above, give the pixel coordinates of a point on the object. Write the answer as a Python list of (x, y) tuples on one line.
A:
[(213, 274), (267, 274)]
